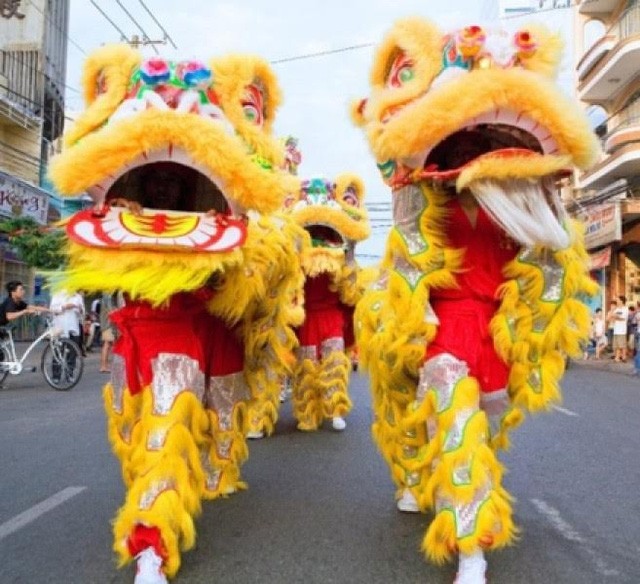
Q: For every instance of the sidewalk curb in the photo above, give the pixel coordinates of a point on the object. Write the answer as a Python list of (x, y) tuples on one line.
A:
[(603, 365)]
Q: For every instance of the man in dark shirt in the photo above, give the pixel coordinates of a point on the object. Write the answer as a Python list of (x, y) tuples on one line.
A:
[(14, 305)]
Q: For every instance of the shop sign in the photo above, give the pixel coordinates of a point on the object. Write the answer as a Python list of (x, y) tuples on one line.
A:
[(603, 224), (20, 199)]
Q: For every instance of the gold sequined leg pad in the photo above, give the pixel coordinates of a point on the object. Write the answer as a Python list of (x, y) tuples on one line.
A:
[(166, 475), (305, 398), (333, 380), (473, 510), (226, 398)]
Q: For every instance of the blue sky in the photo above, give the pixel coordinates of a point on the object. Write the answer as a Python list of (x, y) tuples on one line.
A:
[(317, 90)]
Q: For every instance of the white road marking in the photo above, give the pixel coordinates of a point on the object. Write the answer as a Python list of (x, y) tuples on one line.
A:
[(552, 515), (30, 515), (565, 411)]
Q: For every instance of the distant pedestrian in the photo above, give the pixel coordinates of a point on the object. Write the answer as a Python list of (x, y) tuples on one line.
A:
[(68, 311), (611, 314), (620, 320), (599, 332)]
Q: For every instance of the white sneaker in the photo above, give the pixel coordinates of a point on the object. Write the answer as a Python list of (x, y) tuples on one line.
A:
[(149, 569), (255, 434), (407, 503), (338, 424), (472, 569)]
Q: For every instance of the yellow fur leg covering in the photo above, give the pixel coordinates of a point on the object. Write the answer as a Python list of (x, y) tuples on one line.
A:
[(263, 412), (332, 382), (123, 414), (306, 401), (164, 471), (228, 451), (473, 511), (320, 389)]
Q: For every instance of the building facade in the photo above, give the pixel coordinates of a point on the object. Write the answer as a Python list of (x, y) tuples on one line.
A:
[(33, 57), (607, 196)]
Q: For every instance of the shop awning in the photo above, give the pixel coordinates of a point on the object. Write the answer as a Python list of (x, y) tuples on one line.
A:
[(600, 259)]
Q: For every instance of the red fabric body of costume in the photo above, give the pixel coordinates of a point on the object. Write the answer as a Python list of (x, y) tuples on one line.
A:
[(326, 317), (182, 327), (466, 311)]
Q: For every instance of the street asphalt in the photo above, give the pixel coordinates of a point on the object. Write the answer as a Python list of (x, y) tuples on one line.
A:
[(320, 507)]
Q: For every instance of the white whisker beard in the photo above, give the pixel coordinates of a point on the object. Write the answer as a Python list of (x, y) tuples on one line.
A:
[(531, 213)]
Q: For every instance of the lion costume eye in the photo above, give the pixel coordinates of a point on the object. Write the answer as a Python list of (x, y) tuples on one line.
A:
[(350, 198), (401, 71), (252, 105)]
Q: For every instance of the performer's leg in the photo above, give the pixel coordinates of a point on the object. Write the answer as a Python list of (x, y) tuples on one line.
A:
[(307, 405), (161, 462), (333, 381), (473, 511), (226, 399)]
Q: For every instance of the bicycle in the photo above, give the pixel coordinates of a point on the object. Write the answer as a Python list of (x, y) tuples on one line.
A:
[(61, 363)]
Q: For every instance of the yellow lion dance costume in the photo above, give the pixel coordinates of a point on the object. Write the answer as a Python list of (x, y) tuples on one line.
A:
[(184, 171), (335, 220), (477, 304), (334, 216)]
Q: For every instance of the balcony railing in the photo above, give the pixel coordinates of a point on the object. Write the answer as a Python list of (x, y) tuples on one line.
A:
[(629, 23)]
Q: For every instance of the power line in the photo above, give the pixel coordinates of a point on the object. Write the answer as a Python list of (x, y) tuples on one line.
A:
[(321, 53), (166, 34), (145, 36), (122, 34)]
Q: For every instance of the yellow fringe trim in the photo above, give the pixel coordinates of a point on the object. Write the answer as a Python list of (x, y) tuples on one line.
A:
[(177, 463)]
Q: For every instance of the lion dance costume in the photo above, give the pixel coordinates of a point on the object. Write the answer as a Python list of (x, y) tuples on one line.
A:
[(467, 327), (207, 276), (334, 216)]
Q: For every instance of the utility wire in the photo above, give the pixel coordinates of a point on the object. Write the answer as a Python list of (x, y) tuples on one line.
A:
[(145, 36), (113, 24), (321, 53), (370, 44), (166, 34)]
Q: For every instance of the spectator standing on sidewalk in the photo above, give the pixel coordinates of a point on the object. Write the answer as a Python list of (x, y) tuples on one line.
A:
[(611, 315), (620, 321), (631, 330), (636, 358), (599, 332), (68, 311)]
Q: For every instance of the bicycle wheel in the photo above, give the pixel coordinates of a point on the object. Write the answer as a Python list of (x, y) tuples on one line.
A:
[(4, 370), (62, 364)]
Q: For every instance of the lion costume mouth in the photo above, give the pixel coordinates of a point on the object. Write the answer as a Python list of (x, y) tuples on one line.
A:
[(325, 236), (183, 208), (499, 133)]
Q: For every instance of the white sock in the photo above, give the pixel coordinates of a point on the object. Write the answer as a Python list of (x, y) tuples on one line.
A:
[(471, 560)]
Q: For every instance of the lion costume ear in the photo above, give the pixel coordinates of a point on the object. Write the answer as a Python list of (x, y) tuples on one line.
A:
[(105, 80), (233, 74), (545, 59), (348, 183)]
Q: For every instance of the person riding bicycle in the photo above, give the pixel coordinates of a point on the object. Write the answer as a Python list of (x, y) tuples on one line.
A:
[(14, 306)]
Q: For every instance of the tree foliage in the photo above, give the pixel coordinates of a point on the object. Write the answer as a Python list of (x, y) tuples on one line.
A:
[(40, 247)]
